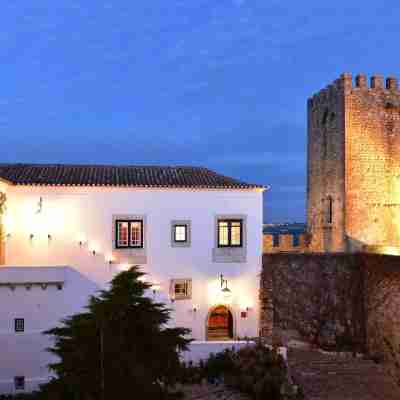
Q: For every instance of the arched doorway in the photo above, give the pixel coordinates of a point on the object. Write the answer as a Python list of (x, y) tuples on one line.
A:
[(219, 323)]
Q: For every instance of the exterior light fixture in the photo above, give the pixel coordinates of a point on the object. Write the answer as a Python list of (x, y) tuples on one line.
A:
[(94, 248), (49, 237), (226, 293), (31, 236), (195, 308), (8, 236), (39, 206), (155, 288), (43, 286), (110, 259)]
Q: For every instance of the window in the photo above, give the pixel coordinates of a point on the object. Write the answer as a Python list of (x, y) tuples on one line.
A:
[(275, 240), (329, 211), (181, 289), (19, 325), (180, 233), (19, 382), (230, 233), (129, 234)]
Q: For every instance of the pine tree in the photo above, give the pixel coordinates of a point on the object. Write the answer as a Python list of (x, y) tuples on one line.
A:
[(119, 348)]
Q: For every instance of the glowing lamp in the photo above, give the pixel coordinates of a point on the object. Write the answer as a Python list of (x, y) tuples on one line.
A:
[(225, 293)]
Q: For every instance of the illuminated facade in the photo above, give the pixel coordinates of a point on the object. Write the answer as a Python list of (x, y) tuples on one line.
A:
[(353, 166), (63, 241)]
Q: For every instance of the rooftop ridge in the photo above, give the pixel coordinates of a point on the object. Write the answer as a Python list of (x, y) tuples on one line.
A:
[(157, 176)]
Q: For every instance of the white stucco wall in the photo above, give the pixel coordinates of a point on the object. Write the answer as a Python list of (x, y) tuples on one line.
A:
[(68, 214)]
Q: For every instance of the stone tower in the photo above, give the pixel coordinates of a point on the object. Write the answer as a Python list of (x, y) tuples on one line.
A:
[(353, 166)]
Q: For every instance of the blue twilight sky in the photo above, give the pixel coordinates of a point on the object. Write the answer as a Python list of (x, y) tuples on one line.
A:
[(216, 83)]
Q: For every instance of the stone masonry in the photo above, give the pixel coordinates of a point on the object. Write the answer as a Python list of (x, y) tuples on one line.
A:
[(353, 190)]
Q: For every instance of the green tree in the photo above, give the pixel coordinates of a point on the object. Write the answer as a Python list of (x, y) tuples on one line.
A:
[(120, 348)]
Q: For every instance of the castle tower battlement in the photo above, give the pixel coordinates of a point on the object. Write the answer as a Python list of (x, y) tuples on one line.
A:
[(353, 190)]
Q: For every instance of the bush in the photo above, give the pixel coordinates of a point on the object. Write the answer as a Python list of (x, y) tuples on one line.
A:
[(255, 370)]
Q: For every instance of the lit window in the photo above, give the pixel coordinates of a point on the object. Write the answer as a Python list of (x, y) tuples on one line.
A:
[(19, 324), (19, 382), (122, 233), (129, 234), (180, 233), (230, 233), (181, 289), (136, 234)]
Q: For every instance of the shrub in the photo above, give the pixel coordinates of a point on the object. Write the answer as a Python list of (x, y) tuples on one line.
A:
[(255, 370)]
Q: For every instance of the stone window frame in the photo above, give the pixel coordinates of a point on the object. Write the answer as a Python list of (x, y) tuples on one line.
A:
[(178, 222), (129, 255), (172, 293), (230, 254)]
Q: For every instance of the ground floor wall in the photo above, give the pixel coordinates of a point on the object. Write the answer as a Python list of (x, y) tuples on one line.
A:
[(23, 354)]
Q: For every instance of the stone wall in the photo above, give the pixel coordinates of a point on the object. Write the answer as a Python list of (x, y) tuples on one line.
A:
[(382, 299), (326, 168), (353, 166), (336, 301), (319, 296)]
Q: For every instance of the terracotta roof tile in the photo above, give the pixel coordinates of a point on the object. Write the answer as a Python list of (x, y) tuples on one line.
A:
[(119, 175)]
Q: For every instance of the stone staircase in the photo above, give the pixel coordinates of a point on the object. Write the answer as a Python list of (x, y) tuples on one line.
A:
[(336, 377)]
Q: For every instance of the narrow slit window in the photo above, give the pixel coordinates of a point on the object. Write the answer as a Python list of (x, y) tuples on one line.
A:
[(330, 210)]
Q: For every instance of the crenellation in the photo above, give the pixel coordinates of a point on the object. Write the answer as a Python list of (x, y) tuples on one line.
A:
[(377, 82), (391, 83), (361, 81)]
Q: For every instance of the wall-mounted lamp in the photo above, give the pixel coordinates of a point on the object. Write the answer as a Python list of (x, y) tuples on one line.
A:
[(94, 249), (155, 288), (31, 236), (28, 286), (110, 259), (195, 308), (49, 237), (43, 286), (39, 206), (8, 236), (81, 240), (224, 282), (226, 293), (59, 286)]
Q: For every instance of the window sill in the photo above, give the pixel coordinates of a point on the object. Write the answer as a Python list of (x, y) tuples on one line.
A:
[(229, 255)]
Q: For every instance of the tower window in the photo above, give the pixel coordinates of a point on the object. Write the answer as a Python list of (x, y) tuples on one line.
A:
[(329, 214), (325, 117)]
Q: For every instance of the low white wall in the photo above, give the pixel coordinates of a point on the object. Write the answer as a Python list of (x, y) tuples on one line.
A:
[(201, 350)]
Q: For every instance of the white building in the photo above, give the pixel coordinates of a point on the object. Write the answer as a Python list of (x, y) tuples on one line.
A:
[(67, 230)]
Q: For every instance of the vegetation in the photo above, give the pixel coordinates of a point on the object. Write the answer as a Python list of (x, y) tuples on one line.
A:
[(119, 346), (254, 370)]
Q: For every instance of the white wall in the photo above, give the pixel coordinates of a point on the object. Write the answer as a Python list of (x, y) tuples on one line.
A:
[(70, 213)]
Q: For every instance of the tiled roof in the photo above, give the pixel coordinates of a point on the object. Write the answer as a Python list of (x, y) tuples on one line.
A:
[(118, 175)]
